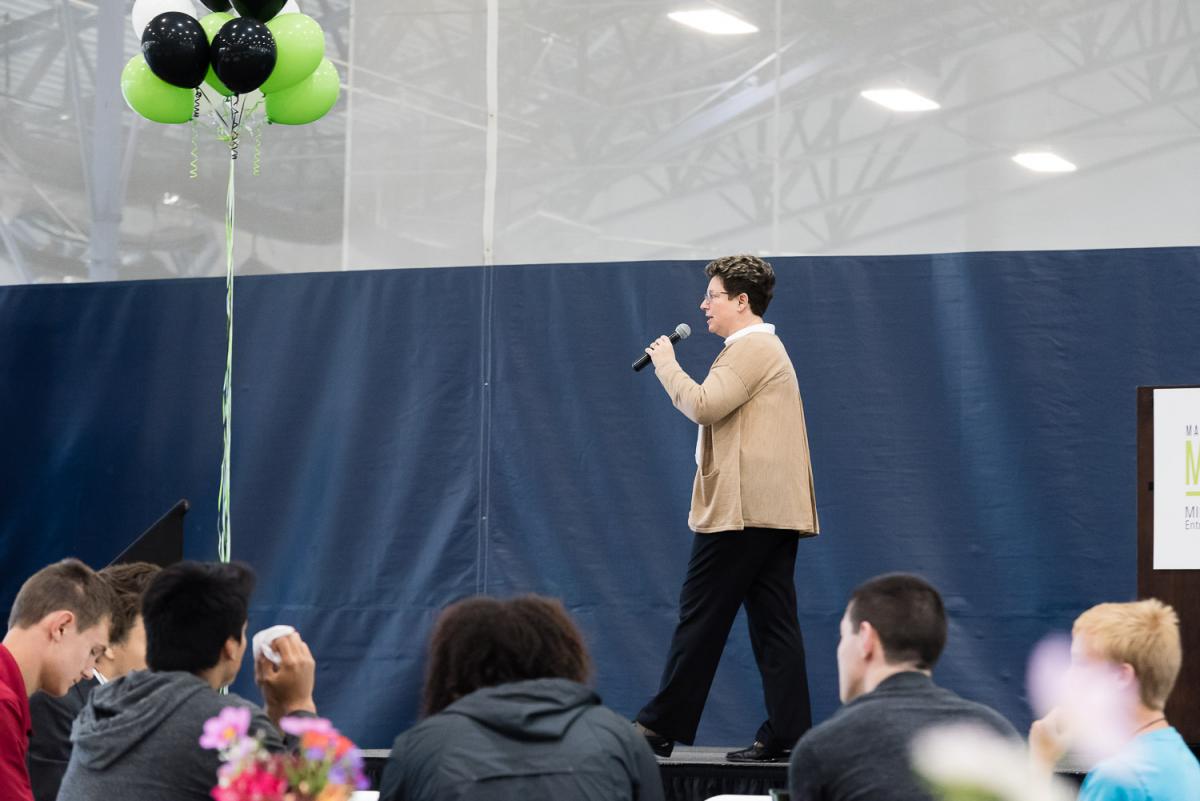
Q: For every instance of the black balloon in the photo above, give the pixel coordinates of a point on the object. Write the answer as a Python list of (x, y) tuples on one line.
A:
[(216, 5), (176, 49), (261, 10), (243, 54)]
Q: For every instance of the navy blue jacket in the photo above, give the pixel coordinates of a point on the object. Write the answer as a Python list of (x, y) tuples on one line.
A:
[(540, 740)]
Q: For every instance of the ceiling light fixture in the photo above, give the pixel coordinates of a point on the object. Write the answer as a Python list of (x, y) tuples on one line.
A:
[(900, 100), (712, 20), (1043, 161)]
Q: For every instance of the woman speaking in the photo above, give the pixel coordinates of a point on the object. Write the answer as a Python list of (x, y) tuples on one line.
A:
[(752, 501)]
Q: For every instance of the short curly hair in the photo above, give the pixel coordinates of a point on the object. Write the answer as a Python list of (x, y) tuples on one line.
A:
[(748, 274), (484, 642)]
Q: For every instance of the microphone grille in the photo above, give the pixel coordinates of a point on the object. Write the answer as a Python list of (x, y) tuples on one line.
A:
[(684, 330)]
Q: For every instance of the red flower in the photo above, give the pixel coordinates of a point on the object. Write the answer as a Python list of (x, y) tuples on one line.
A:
[(259, 782)]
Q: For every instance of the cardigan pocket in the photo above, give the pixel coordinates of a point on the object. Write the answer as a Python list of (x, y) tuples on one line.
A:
[(708, 467), (706, 487)]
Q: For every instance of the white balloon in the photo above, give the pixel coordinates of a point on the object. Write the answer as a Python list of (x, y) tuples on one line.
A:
[(146, 10), (290, 7)]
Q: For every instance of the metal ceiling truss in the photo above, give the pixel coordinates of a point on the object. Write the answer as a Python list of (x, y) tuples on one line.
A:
[(590, 89)]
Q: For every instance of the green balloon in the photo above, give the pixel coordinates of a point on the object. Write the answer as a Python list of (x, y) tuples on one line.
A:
[(308, 100), (299, 47), (152, 97), (211, 23)]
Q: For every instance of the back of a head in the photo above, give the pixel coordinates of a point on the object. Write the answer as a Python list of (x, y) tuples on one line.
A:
[(907, 613), (129, 583), (67, 585), (484, 642), (190, 609), (1143, 634)]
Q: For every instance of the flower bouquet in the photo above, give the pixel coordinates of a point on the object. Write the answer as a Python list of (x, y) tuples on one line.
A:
[(327, 766)]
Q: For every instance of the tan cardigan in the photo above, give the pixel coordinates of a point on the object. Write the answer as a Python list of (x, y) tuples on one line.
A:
[(754, 466)]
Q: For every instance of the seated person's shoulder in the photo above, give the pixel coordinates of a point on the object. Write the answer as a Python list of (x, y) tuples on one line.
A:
[(847, 723), (435, 727), (208, 704), (1113, 780), (975, 712), (8, 696), (1157, 768), (8, 700)]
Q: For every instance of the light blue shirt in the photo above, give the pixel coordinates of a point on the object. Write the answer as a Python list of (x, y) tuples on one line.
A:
[(1155, 766)]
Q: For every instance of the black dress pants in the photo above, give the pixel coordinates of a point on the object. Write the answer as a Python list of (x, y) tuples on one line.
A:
[(726, 570)]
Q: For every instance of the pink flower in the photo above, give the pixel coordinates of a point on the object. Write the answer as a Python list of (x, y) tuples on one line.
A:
[(299, 726), (226, 728)]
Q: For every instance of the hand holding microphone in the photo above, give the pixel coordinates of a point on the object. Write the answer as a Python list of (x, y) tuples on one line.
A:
[(682, 331)]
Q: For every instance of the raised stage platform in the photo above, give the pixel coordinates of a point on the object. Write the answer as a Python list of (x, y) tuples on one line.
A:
[(689, 774), (697, 773)]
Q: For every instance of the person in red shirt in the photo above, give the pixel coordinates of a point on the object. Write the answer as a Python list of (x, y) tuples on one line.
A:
[(58, 626)]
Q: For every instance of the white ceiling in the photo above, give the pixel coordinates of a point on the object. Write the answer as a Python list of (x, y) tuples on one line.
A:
[(621, 135)]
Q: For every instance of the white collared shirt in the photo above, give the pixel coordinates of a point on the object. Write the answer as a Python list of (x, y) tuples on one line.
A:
[(757, 328)]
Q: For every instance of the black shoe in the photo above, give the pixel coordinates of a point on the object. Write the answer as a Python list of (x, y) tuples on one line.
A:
[(759, 753), (661, 746)]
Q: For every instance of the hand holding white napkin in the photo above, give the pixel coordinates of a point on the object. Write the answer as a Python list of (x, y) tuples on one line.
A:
[(263, 639)]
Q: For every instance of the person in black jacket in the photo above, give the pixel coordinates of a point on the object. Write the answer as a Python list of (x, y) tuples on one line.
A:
[(892, 634), (509, 717)]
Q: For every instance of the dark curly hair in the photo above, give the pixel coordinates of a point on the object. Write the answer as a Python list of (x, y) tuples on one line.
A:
[(484, 642), (748, 274)]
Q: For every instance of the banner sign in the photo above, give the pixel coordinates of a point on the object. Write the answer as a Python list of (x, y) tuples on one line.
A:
[(1177, 479)]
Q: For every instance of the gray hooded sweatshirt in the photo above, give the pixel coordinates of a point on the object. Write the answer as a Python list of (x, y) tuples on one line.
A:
[(540, 740), (138, 739)]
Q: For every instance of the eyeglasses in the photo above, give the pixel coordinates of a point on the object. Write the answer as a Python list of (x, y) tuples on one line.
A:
[(710, 296)]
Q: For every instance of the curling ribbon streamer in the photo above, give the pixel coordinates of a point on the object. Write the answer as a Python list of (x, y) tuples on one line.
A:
[(194, 164), (257, 149), (223, 532)]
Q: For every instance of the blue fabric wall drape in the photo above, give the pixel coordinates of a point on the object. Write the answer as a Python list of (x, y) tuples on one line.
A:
[(405, 438)]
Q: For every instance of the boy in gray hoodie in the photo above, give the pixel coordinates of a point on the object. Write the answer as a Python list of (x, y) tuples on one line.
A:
[(138, 737)]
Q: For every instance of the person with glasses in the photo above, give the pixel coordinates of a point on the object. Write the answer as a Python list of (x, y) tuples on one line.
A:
[(752, 501)]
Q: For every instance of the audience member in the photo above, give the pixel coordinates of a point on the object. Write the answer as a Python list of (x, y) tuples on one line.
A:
[(1138, 643), (137, 738), (50, 744), (892, 633), (510, 718), (58, 626)]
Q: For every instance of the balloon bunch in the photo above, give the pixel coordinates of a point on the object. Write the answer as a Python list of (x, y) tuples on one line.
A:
[(270, 47)]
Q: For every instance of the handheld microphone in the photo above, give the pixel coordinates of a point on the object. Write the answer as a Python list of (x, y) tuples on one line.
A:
[(682, 331)]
